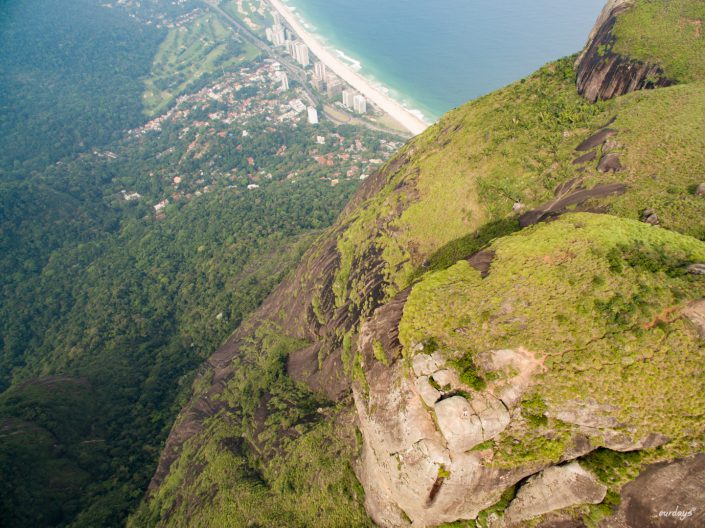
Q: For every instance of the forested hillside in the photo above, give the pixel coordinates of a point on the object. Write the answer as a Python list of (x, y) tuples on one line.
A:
[(109, 304), (70, 78), (507, 322)]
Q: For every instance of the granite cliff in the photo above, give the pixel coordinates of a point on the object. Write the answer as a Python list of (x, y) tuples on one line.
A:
[(505, 327), (603, 73)]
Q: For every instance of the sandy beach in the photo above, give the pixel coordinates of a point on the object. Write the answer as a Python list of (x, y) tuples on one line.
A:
[(408, 120)]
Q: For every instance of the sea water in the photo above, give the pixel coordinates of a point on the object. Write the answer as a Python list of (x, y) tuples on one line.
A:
[(433, 55)]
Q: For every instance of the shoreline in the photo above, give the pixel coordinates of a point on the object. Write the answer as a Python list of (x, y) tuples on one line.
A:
[(386, 103)]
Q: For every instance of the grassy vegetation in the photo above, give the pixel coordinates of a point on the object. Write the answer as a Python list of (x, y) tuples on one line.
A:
[(533, 409), (316, 305), (594, 296), (379, 353), (457, 191), (443, 472), (189, 53), (499, 149), (358, 372), (250, 13), (497, 508), (613, 468), (661, 140), (671, 34), (467, 370), (606, 340), (281, 467)]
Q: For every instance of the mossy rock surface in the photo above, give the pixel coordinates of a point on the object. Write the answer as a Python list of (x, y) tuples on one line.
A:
[(670, 34), (597, 298), (463, 177)]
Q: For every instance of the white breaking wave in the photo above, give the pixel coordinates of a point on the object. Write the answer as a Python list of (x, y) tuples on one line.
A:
[(415, 122), (356, 64)]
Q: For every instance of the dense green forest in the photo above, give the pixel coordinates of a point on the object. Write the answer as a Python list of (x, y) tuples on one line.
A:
[(108, 307), (69, 79), (129, 318)]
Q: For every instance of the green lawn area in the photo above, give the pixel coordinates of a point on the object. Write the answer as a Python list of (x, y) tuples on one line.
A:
[(253, 13), (187, 54)]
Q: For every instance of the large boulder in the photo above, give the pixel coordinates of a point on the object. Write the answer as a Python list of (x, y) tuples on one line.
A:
[(465, 424), (697, 269), (609, 163), (665, 495), (695, 312), (553, 489), (597, 139)]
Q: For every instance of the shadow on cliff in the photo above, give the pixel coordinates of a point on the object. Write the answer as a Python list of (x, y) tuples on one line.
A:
[(466, 246)]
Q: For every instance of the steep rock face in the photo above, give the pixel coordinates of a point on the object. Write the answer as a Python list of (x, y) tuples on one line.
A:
[(442, 205), (418, 462), (447, 431), (553, 489), (664, 495), (604, 74)]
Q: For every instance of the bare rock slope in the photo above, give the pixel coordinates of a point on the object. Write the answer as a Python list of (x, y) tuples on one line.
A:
[(603, 73)]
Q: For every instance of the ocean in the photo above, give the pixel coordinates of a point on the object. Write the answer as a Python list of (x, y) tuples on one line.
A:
[(433, 55)]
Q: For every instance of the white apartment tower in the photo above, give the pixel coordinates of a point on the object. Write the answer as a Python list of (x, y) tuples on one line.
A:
[(301, 53), (319, 70), (348, 96), (285, 80), (278, 35), (360, 104), (312, 116)]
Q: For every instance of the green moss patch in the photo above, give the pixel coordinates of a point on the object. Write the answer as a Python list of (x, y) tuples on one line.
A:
[(598, 337), (281, 458), (671, 34)]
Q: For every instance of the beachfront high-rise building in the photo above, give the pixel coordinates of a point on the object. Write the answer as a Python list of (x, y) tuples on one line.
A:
[(284, 78), (319, 71), (290, 47), (269, 33), (360, 104), (301, 53), (278, 35), (312, 116), (318, 84), (348, 96), (277, 18)]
